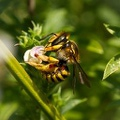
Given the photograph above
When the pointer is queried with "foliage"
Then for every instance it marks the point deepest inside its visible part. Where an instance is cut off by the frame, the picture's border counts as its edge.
(31, 38)
(99, 45)
(114, 64)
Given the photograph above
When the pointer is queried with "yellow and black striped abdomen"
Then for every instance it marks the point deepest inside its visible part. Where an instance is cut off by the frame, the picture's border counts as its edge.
(58, 75)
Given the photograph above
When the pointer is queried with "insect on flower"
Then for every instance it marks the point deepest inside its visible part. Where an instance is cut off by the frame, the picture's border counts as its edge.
(55, 68)
(52, 69)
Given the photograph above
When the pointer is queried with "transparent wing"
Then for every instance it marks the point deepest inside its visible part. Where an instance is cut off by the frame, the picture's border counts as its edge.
(83, 78)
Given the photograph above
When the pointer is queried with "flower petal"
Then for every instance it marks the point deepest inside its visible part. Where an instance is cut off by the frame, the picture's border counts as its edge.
(26, 56)
(39, 50)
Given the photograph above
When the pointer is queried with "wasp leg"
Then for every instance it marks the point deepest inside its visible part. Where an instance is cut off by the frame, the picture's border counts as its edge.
(47, 59)
(44, 68)
(53, 48)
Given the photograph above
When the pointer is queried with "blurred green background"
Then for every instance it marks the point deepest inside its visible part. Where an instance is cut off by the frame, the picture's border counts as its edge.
(84, 19)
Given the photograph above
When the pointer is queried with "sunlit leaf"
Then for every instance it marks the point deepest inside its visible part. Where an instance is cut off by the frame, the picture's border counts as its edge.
(95, 46)
(112, 66)
(107, 84)
(113, 30)
(115, 42)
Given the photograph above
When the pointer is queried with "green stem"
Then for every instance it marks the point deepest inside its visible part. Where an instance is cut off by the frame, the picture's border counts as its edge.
(23, 78)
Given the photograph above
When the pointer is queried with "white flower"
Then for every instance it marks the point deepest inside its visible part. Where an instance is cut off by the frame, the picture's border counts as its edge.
(31, 54)
(37, 50)
(26, 56)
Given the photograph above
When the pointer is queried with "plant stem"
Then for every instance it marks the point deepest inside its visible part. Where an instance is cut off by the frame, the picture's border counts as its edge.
(23, 78)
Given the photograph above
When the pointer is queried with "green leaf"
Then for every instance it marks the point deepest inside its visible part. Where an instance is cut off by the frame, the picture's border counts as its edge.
(52, 24)
(95, 46)
(113, 30)
(115, 42)
(71, 104)
(30, 38)
(112, 66)
(6, 110)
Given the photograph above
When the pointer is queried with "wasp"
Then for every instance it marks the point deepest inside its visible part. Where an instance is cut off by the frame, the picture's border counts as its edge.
(55, 68)
(52, 69)
(67, 50)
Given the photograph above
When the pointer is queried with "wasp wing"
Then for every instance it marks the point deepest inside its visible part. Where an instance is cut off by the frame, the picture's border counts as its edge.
(74, 77)
(83, 78)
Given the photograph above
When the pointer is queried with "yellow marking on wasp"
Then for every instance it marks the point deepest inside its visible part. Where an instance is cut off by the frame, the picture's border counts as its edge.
(64, 72)
(53, 48)
(60, 76)
(43, 68)
(48, 59)
(54, 78)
